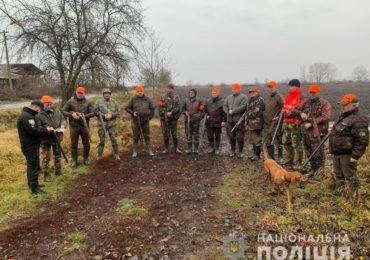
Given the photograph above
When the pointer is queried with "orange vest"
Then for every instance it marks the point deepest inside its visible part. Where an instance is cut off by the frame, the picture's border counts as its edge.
(292, 100)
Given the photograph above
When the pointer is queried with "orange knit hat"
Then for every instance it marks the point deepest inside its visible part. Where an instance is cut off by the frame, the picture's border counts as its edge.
(80, 90)
(272, 84)
(236, 86)
(349, 98)
(314, 88)
(139, 89)
(216, 91)
(46, 99)
(255, 90)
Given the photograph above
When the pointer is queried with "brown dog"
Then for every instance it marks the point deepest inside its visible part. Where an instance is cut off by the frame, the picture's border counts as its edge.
(281, 178)
(126, 137)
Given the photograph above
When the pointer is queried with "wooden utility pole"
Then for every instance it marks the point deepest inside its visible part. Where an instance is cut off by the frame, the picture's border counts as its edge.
(7, 62)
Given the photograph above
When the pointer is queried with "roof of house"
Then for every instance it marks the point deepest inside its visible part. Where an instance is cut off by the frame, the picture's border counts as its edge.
(19, 70)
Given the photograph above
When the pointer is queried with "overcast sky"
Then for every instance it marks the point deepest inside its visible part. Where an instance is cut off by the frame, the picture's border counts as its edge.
(241, 40)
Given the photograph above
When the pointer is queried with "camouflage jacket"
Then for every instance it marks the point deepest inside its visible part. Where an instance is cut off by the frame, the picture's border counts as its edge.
(107, 107)
(143, 106)
(273, 103)
(237, 103)
(214, 109)
(350, 134)
(170, 103)
(53, 118)
(318, 110)
(254, 115)
(78, 105)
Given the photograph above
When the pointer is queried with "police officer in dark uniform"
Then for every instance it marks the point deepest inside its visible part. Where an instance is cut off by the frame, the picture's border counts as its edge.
(30, 134)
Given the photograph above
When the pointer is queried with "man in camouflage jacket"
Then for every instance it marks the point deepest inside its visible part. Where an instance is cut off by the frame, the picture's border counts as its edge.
(216, 118)
(53, 117)
(169, 112)
(314, 113)
(348, 142)
(254, 122)
(108, 109)
(73, 109)
(141, 109)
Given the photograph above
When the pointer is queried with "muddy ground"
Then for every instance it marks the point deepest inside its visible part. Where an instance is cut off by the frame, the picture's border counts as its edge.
(183, 207)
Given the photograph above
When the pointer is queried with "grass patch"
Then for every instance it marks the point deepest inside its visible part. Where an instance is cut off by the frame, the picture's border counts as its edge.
(77, 240)
(127, 207)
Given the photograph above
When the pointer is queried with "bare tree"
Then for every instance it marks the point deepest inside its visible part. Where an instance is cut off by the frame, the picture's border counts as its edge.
(153, 63)
(360, 74)
(322, 72)
(70, 33)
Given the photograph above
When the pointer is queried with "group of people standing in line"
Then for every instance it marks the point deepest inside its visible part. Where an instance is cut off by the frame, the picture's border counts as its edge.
(286, 127)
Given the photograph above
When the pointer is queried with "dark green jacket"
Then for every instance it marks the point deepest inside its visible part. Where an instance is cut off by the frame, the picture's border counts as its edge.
(78, 105)
(53, 118)
(254, 115)
(171, 103)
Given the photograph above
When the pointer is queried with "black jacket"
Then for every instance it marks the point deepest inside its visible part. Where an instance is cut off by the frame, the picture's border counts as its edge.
(214, 109)
(30, 130)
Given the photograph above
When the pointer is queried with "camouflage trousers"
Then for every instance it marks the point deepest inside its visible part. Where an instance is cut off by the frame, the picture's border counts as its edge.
(46, 156)
(267, 139)
(317, 162)
(192, 131)
(169, 128)
(292, 144)
(112, 132)
(255, 137)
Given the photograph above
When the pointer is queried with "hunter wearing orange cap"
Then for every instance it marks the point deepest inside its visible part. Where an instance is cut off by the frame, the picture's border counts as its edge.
(315, 113)
(216, 118)
(348, 142)
(274, 103)
(254, 122)
(51, 116)
(234, 107)
(169, 113)
(79, 111)
(141, 109)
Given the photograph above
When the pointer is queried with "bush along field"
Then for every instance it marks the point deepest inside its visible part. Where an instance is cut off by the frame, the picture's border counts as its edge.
(174, 206)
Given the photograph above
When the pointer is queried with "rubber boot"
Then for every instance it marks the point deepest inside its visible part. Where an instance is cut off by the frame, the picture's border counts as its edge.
(280, 154)
(217, 147)
(299, 160)
(188, 150)
(240, 149)
(271, 151)
(196, 148)
(166, 144)
(318, 170)
(100, 152)
(211, 148)
(176, 145)
(233, 147)
(74, 157)
(253, 152)
(58, 172)
(339, 185)
(135, 148)
(353, 191)
(47, 176)
(149, 148)
(257, 153)
(86, 152)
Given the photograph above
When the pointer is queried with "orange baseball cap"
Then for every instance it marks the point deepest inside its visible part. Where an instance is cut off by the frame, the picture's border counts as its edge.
(216, 91)
(255, 90)
(349, 98)
(236, 86)
(46, 99)
(139, 89)
(80, 90)
(272, 84)
(314, 88)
